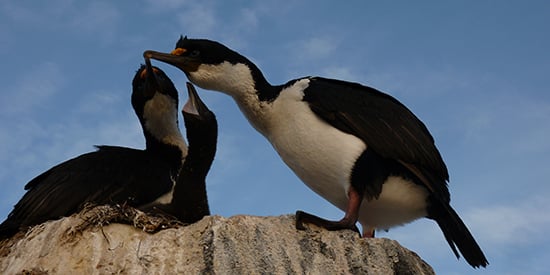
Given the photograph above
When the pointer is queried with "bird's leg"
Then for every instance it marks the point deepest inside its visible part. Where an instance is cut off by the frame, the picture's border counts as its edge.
(348, 222)
(368, 232)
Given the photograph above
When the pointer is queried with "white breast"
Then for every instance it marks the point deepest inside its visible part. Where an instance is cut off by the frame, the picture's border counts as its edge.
(400, 202)
(323, 157)
(320, 155)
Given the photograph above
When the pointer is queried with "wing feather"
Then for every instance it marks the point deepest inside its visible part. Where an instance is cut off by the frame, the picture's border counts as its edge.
(109, 175)
(385, 124)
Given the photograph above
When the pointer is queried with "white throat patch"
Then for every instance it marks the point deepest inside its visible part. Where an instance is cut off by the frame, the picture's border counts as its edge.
(161, 120)
(232, 79)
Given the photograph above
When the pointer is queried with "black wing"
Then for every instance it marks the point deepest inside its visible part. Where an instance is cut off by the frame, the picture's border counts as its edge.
(109, 175)
(384, 123)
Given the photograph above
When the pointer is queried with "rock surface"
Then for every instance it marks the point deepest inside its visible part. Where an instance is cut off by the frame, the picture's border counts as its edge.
(214, 245)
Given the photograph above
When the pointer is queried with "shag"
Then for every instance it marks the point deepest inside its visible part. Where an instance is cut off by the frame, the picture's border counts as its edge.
(357, 147)
(112, 174)
(189, 202)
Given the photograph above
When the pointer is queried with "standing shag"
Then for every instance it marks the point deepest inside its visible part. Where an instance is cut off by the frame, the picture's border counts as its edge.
(113, 175)
(359, 148)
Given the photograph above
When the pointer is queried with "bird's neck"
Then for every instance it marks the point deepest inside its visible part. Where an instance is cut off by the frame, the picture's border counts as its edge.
(190, 198)
(202, 136)
(160, 126)
(245, 83)
(171, 152)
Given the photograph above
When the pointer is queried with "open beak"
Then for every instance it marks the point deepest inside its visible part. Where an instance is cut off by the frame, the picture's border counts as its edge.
(194, 104)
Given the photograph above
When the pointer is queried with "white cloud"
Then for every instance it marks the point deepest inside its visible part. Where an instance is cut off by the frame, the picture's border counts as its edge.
(317, 47)
(343, 73)
(209, 19)
(419, 82)
(198, 19)
(512, 224)
(511, 123)
(248, 19)
(32, 148)
(503, 230)
(37, 133)
(41, 82)
(84, 18)
(97, 18)
(102, 101)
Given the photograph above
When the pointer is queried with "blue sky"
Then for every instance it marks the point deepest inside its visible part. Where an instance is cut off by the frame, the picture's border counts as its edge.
(475, 72)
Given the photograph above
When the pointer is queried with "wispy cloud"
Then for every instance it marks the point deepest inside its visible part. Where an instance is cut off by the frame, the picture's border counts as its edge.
(316, 47)
(198, 19)
(343, 73)
(41, 128)
(41, 82)
(248, 19)
(506, 225)
(521, 122)
(30, 148)
(501, 229)
(201, 20)
(99, 19)
(489, 118)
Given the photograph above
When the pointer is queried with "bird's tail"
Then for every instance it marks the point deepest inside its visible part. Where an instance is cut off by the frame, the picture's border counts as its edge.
(457, 234)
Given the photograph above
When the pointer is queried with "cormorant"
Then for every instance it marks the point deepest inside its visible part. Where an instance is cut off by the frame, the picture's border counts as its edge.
(189, 202)
(112, 174)
(357, 147)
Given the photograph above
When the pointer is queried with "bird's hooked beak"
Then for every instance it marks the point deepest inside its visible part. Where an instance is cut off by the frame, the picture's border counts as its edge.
(151, 74)
(177, 58)
(194, 105)
(148, 74)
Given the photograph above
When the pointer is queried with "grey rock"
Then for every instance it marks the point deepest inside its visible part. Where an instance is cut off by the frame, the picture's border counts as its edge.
(214, 245)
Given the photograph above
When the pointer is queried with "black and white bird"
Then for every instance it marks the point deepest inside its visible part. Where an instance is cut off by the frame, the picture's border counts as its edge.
(359, 148)
(112, 174)
(189, 201)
